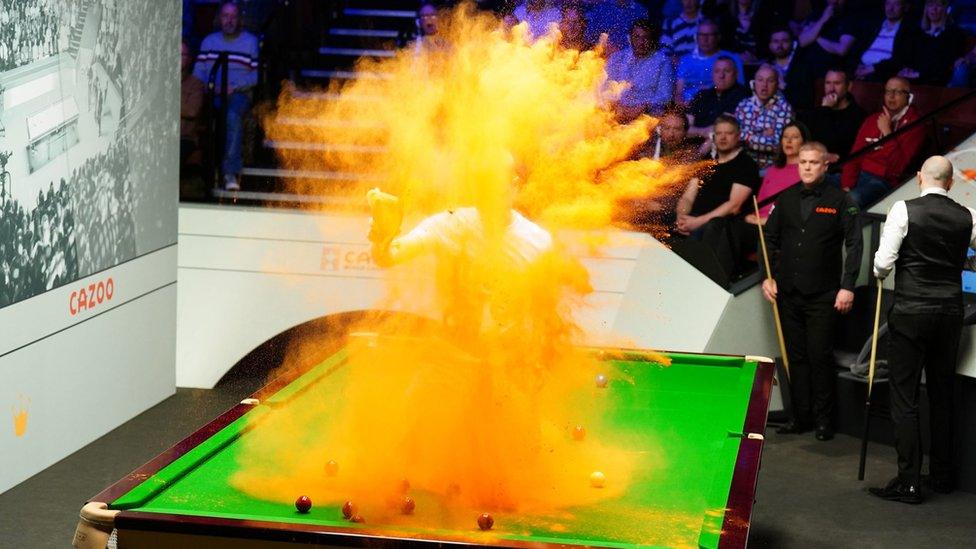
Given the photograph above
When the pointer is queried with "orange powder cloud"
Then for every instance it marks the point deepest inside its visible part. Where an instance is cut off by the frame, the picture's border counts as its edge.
(477, 407)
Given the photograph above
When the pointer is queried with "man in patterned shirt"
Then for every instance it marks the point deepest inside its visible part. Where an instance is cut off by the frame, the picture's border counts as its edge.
(763, 116)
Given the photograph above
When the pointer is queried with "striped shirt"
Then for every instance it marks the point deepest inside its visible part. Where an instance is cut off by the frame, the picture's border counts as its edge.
(883, 45)
(678, 37)
(242, 59)
(755, 118)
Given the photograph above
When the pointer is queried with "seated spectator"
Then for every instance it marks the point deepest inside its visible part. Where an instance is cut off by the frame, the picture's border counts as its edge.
(744, 24)
(670, 142)
(827, 38)
(964, 71)
(837, 120)
(427, 38)
(871, 176)
(885, 43)
(572, 28)
(648, 71)
(939, 47)
(709, 209)
(615, 18)
(242, 76)
(538, 14)
(784, 172)
(795, 80)
(192, 92)
(679, 33)
(763, 116)
(722, 98)
(695, 69)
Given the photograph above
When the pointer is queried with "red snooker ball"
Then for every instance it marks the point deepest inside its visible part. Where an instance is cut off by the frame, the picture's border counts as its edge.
(407, 506)
(303, 504)
(348, 510)
(485, 521)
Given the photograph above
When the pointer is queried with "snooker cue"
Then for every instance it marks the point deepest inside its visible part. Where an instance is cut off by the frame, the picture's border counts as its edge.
(867, 401)
(769, 273)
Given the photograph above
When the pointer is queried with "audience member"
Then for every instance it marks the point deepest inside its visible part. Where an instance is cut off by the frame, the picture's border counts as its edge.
(192, 92)
(964, 71)
(763, 116)
(538, 14)
(670, 142)
(836, 121)
(615, 18)
(887, 42)
(679, 33)
(785, 171)
(722, 98)
(872, 175)
(572, 28)
(815, 245)
(939, 46)
(710, 204)
(648, 71)
(795, 81)
(827, 38)
(695, 68)
(242, 75)
(745, 23)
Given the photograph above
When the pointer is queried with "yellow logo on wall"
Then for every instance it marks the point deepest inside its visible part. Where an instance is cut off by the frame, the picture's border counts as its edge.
(20, 416)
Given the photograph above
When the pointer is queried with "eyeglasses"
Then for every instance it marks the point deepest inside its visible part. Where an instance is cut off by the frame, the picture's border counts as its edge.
(889, 91)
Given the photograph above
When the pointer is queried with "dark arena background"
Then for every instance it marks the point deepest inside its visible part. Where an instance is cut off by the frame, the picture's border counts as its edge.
(490, 272)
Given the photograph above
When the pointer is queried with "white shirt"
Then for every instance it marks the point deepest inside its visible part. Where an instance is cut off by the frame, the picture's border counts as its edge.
(895, 229)
(883, 45)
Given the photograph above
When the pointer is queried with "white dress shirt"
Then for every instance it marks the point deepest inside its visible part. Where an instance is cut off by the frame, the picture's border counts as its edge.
(895, 229)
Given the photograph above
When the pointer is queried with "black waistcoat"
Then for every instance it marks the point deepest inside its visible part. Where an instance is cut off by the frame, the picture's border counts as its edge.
(928, 271)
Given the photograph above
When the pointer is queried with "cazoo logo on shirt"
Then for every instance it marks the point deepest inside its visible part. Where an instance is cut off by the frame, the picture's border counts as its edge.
(91, 296)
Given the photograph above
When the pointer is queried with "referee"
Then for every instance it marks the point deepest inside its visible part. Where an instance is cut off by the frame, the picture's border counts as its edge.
(926, 241)
(808, 229)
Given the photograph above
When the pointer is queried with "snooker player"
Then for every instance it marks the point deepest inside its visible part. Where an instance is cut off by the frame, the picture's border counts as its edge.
(808, 228)
(926, 240)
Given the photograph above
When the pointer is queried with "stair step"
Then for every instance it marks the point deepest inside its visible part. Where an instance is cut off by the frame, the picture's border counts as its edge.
(366, 33)
(325, 147)
(281, 173)
(344, 75)
(261, 196)
(354, 12)
(356, 52)
(327, 122)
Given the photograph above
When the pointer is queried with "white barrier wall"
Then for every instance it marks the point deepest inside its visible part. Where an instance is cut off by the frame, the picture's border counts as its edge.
(248, 274)
(89, 95)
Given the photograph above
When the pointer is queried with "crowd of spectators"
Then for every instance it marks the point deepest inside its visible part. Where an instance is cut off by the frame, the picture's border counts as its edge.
(82, 226)
(30, 31)
(744, 83)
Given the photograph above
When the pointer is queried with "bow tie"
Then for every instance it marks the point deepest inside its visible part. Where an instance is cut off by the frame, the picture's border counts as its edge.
(811, 192)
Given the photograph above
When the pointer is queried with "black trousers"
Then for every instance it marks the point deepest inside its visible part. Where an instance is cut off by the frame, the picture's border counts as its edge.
(729, 237)
(808, 328)
(931, 341)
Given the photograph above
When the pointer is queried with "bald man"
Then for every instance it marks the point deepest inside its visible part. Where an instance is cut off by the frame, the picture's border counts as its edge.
(925, 240)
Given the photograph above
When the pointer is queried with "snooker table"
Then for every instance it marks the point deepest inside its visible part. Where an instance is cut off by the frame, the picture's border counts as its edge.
(707, 411)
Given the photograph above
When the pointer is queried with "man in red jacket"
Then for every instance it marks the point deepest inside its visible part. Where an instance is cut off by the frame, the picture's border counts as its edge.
(871, 175)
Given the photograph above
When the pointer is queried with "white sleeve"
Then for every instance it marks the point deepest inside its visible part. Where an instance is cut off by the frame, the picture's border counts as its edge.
(895, 229)
(970, 264)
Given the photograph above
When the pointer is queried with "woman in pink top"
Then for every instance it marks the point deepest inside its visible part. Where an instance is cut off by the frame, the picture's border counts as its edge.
(784, 172)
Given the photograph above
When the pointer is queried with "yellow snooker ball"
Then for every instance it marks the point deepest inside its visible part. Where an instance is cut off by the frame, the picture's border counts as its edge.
(598, 479)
